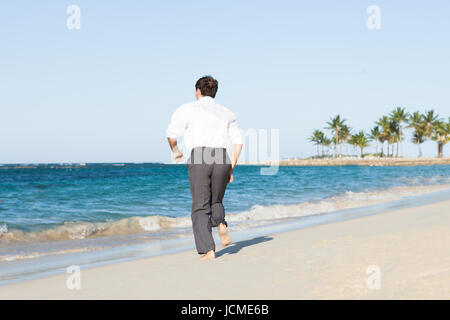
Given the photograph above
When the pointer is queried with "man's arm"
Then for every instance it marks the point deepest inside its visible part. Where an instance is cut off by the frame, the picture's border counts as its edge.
(176, 153)
(236, 139)
(235, 152)
(176, 127)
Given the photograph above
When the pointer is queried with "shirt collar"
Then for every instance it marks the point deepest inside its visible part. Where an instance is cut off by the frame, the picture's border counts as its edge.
(206, 98)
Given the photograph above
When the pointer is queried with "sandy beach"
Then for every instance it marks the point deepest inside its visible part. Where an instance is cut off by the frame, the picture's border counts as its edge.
(401, 254)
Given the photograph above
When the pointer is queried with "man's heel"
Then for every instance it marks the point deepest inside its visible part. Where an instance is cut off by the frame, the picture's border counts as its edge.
(223, 234)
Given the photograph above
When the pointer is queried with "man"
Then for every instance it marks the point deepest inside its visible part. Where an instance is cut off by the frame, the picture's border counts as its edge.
(208, 128)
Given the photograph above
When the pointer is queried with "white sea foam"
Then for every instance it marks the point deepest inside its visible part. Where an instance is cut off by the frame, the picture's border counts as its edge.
(344, 201)
(257, 215)
(3, 229)
(33, 255)
(83, 230)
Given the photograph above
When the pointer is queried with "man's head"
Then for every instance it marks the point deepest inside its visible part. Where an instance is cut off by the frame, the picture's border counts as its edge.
(206, 86)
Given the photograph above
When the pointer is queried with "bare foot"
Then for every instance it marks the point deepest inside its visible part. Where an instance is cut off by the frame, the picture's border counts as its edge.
(223, 233)
(209, 256)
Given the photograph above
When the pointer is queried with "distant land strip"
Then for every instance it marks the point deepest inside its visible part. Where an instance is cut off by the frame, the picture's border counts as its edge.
(378, 162)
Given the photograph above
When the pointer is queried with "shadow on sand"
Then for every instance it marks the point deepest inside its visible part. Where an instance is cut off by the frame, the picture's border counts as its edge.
(237, 246)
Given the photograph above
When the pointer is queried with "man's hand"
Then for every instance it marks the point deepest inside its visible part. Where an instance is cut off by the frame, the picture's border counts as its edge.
(231, 178)
(177, 156)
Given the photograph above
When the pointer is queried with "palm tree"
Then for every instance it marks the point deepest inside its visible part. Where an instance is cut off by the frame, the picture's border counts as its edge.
(386, 135)
(316, 138)
(418, 138)
(394, 136)
(430, 119)
(322, 138)
(353, 143)
(382, 139)
(361, 140)
(327, 143)
(335, 124)
(417, 122)
(399, 115)
(375, 135)
(441, 134)
(333, 141)
(434, 129)
(344, 135)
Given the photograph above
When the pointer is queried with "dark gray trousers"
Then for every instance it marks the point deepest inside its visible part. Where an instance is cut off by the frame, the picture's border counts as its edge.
(209, 170)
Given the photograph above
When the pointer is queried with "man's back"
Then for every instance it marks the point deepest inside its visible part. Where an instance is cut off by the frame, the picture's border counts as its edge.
(205, 124)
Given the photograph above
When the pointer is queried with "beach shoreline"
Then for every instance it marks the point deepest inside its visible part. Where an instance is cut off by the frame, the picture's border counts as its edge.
(26, 261)
(329, 261)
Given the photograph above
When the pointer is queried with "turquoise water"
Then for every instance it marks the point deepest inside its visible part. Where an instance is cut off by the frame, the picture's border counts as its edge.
(48, 196)
(53, 216)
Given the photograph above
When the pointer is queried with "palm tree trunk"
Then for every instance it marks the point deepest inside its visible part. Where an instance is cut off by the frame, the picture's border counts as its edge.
(440, 149)
(420, 151)
(336, 143)
(399, 138)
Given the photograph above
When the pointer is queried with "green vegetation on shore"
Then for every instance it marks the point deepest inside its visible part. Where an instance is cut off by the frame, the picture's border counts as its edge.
(388, 134)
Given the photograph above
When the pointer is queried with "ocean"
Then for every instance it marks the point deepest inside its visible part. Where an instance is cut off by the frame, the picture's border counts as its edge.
(55, 214)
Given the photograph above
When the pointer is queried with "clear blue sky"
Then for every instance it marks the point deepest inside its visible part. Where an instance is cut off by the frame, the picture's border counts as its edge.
(105, 93)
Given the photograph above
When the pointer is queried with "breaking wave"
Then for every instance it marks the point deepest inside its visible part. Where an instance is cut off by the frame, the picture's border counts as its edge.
(347, 200)
(84, 230)
(255, 216)
(3, 229)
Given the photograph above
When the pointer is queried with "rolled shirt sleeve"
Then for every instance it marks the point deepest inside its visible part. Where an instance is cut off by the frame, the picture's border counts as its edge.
(234, 133)
(178, 124)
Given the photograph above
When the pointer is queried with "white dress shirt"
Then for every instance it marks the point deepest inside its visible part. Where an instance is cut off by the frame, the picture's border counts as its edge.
(205, 124)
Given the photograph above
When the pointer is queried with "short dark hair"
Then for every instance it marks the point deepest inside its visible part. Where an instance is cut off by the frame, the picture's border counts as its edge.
(208, 86)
